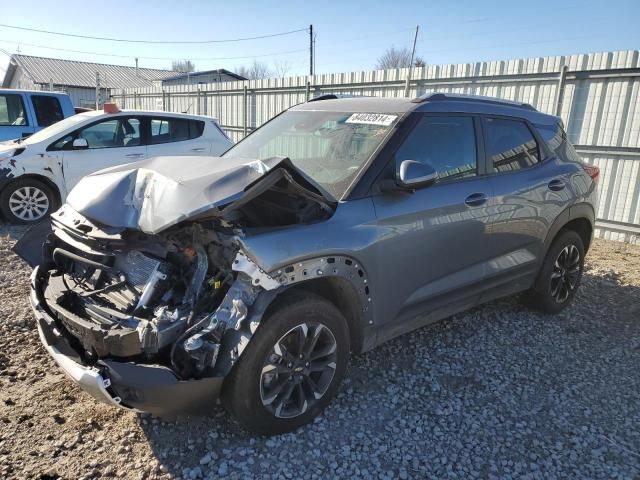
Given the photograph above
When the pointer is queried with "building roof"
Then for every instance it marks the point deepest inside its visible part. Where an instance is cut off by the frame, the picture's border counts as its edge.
(73, 73)
(221, 71)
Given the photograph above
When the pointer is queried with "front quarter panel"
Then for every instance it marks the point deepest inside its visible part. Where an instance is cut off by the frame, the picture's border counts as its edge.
(41, 164)
(342, 246)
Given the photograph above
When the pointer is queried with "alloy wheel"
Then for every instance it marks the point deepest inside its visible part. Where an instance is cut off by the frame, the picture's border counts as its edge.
(566, 273)
(29, 203)
(299, 369)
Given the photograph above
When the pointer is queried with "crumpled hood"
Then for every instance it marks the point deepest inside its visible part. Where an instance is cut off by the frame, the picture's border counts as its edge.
(157, 193)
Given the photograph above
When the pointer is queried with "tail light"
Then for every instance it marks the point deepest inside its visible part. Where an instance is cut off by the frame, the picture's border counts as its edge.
(593, 172)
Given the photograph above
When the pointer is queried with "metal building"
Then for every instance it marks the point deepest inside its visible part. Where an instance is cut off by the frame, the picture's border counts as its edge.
(83, 81)
(200, 78)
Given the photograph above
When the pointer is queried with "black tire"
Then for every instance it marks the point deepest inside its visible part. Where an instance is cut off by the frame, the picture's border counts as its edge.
(43, 201)
(247, 384)
(557, 284)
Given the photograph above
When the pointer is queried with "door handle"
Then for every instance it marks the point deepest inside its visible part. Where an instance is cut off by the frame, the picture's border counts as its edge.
(476, 199)
(198, 149)
(556, 185)
(134, 155)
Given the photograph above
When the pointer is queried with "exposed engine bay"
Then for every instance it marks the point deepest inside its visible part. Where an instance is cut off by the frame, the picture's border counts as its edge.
(165, 299)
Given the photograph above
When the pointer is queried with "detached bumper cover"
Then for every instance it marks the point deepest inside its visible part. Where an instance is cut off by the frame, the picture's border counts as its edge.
(147, 388)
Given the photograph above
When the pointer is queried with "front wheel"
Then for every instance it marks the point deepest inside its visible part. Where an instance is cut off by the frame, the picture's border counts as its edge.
(291, 368)
(560, 275)
(27, 201)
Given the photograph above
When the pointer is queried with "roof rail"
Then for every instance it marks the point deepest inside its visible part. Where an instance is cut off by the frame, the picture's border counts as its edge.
(329, 96)
(439, 97)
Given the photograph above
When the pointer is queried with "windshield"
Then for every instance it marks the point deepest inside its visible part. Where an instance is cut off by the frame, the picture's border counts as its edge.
(58, 128)
(330, 147)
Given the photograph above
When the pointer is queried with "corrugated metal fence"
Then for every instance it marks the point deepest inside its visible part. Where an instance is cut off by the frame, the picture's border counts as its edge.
(597, 95)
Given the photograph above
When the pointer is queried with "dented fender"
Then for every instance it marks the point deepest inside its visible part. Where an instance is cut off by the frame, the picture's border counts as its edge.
(23, 163)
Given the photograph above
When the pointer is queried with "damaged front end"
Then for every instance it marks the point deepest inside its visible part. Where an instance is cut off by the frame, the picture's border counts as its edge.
(155, 321)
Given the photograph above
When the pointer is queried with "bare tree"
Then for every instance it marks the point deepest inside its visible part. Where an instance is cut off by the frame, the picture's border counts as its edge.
(394, 58)
(282, 67)
(255, 71)
(419, 62)
(183, 66)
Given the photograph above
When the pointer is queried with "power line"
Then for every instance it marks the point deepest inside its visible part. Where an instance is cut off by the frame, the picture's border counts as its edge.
(273, 54)
(49, 32)
(152, 58)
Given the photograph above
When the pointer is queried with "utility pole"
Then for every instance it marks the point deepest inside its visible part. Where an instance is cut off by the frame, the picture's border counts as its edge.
(413, 53)
(97, 90)
(136, 66)
(310, 49)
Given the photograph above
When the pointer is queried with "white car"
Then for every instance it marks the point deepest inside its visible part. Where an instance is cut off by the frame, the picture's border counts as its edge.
(38, 172)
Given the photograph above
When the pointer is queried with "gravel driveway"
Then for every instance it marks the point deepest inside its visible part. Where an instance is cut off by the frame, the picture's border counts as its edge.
(499, 391)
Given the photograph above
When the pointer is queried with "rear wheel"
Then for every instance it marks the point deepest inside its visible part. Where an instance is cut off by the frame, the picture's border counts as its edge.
(27, 201)
(560, 275)
(291, 368)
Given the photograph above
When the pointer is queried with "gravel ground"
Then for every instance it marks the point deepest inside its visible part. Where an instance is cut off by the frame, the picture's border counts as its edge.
(499, 391)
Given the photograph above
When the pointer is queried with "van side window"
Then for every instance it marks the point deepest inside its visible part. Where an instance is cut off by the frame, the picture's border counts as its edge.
(12, 112)
(47, 108)
(510, 145)
(446, 143)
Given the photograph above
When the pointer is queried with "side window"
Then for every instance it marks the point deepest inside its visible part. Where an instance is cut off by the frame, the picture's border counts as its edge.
(12, 112)
(63, 144)
(510, 144)
(48, 109)
(446, 143)
(196, 128)
(117, 132)
(165, 130)
(556, 139)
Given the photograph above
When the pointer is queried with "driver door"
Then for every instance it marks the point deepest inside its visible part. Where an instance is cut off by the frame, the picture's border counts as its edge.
(433, 251)
(110, 142)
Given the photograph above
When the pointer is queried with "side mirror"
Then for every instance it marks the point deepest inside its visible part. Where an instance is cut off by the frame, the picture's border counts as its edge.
(414, 175)
(80, 144)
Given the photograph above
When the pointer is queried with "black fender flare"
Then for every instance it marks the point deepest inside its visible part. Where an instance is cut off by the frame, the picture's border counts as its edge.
(341, 266)
(573, 212)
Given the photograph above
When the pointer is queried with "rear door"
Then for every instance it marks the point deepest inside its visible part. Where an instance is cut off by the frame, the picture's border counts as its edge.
(15, 120)
(111, 141)
(433, 251)
(531, 188)
(176, 136)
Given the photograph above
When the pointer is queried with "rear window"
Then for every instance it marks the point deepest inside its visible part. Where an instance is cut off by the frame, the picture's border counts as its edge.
(48, 109)
(165, 130)
(12, 110)
(556, 139)
(510, 144)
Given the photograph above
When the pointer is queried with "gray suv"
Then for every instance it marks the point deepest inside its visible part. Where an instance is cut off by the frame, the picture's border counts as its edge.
(168, 284)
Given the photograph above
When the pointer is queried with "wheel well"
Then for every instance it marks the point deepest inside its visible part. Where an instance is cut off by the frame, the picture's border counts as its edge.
(342, 294)
(40, 178)
(582, 227)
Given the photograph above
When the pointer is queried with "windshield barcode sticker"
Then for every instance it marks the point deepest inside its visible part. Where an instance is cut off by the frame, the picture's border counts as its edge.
(372, 119)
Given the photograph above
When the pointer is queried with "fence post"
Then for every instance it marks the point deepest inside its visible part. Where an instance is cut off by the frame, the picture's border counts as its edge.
(562, 81)
(244, 110)
(198, 101)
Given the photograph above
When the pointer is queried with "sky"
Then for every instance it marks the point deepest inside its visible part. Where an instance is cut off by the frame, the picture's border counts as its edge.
(350, 35)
